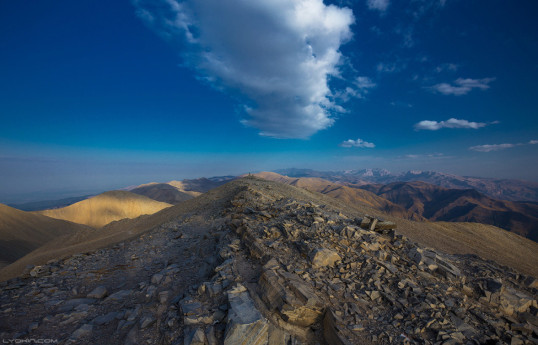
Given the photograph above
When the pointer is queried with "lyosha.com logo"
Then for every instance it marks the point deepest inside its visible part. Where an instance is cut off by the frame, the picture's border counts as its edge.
(30, 341)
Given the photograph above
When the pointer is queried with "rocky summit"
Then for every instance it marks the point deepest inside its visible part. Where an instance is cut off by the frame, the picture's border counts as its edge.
(269, 264)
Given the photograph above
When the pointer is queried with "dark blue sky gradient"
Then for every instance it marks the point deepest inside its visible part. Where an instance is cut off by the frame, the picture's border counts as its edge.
(92, 99)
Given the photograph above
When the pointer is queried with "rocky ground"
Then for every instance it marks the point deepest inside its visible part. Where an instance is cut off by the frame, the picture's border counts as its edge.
(270, 268)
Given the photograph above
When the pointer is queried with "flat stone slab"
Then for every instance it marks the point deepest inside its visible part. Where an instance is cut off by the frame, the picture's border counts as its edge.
(246, 325)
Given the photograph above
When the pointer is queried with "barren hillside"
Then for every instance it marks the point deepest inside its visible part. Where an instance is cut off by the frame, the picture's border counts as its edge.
(199, 186)
(22, 232)
(461, 205)
(348, 195)
(107, 207)
(162, 192)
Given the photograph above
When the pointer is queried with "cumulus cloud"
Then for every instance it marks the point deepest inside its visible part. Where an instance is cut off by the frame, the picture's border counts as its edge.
(450, 123)
(379, 5)
(462, 86)
(276, 55)
(357, 143)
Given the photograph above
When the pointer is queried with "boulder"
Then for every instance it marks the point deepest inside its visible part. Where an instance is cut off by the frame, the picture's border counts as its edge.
(105, 319)
(196, 337)
(38, 271)
(245, 323)
(132, 337)
(386, 225)
(147, 321)
(332, 332)
(349, 232)
(98, 293)
(294, 299)
(118, 296)
(365, 222)
(429, 259)
(373, 224)
(83, 331)
(323, 257)
(156, 278)
(513, 301)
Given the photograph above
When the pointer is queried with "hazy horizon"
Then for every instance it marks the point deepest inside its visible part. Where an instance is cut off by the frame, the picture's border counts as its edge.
(19, 194)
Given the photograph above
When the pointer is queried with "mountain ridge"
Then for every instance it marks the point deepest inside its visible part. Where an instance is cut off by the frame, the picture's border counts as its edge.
(343, 193)
(504, 189)
(457, 238)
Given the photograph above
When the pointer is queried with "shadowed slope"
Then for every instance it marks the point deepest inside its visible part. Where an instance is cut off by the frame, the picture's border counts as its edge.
(162, 192)
(22, 232)
(200, 185)
(107, 207)
(461, 205)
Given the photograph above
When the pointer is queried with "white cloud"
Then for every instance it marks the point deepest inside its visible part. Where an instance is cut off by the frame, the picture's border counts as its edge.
(450, 123)
(489, 148)
(401, 104)
(364, 83)
(379, 5)
(376, 30)
(387, 67)
(436, 155)
(357, 143)
(361, 86)
(462, 86)
(497, 147)
(452, 67)
(425, 7)
(276, 54)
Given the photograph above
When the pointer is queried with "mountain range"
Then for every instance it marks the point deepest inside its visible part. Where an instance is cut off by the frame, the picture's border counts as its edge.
(262, 262)
(414, 200)
(461, 205)
(503, 189)
(424, 201)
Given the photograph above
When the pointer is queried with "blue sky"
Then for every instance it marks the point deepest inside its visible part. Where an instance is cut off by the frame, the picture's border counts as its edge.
(98, 95)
